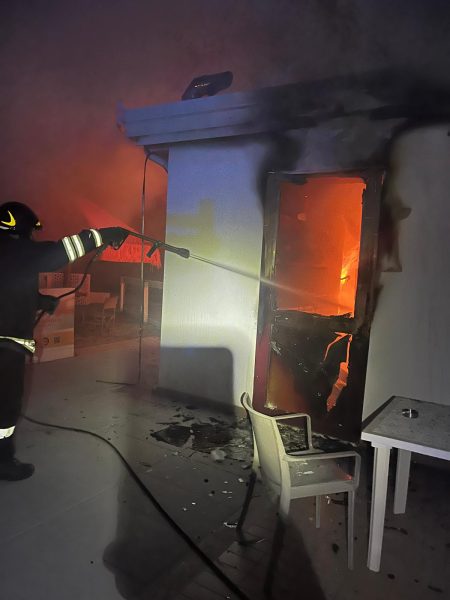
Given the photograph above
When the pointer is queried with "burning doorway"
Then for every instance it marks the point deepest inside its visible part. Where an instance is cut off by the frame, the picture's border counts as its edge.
(320, 248)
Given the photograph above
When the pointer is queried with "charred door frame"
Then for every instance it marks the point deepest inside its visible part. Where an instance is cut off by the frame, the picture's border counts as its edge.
(359, 325)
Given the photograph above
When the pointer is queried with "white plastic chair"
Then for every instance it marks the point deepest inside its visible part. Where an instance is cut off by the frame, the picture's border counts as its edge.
(296, 475)
(103, 316)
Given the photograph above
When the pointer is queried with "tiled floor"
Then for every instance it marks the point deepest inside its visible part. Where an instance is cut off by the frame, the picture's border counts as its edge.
(80, 529)
(415, 562)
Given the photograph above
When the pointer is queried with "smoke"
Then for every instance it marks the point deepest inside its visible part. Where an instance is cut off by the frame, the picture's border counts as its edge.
(66, 64)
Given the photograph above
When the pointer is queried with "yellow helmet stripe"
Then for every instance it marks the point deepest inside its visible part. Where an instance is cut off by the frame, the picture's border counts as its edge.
(11, 223)
(69, 248)
(97, 238)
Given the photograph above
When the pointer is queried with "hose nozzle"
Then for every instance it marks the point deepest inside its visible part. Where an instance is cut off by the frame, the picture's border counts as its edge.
(183, 252)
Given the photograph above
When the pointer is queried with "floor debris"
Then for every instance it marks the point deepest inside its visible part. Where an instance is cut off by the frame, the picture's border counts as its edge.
(212, 512)
(233, 437)
(218, 455)
(340, 502)
(401, 529)
(175, 435)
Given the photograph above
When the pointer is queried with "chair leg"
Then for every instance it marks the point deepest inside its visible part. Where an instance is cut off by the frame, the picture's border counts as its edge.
(318, 510)
(350, 534)
(248, 499)
(277, 544)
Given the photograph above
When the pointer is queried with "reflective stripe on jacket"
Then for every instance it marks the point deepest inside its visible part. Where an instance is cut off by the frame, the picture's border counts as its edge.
(5, 433)
(21, 261)
(74, 247)
(30, 345)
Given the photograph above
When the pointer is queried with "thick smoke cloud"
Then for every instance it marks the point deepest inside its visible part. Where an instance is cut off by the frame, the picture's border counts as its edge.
(65, 64)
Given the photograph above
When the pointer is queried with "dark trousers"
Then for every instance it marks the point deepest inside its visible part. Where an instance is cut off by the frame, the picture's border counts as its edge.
(12, 373)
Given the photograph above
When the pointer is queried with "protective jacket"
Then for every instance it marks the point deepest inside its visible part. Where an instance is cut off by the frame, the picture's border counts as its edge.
(21, 261)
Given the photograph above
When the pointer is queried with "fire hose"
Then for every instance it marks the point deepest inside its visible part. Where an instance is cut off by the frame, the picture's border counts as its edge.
(156, 244)
(184, 253)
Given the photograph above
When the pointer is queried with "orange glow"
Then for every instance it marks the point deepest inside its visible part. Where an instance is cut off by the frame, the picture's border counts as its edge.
(131, 252)
(341, 381)
(349, 278)
(85, 214)
(318, 245)
(339, 336)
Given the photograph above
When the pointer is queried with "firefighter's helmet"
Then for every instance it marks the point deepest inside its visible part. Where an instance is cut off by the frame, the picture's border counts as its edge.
(17, 218)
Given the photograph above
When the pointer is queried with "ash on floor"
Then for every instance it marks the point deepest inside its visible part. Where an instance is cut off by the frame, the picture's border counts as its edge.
(233, 436)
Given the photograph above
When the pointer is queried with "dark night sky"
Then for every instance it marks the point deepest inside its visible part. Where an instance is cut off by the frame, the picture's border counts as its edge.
(64, 65)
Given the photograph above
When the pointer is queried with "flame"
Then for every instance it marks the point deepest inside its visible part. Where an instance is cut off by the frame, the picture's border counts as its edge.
(318, 245)
(341, 381)
(339, 337)
(349, 265)
(349, 278)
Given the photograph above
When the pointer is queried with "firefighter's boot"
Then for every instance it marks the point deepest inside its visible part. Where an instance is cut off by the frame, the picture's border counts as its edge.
(14, 470)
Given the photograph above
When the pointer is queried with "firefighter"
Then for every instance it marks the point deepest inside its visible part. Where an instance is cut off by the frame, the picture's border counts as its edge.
(21, 261)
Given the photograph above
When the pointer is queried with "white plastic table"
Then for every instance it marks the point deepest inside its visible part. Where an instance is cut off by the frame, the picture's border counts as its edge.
(428, 434)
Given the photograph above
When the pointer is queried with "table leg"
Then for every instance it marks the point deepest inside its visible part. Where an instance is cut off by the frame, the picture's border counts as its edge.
(379, 491)
(401, 481)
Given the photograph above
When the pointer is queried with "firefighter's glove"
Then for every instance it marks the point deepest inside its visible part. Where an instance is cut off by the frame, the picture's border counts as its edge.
(114, 236)
(48, 304)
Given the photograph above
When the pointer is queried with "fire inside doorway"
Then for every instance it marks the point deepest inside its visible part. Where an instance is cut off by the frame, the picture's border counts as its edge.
(320, 249)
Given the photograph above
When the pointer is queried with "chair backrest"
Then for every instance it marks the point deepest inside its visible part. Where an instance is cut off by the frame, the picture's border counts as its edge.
(268, 442)
(110, 303)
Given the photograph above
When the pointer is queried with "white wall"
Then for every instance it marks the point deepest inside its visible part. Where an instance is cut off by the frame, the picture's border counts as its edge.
(209, 315)
(410, 338)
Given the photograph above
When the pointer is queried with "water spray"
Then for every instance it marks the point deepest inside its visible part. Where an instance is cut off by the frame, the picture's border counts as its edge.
(185, 253)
